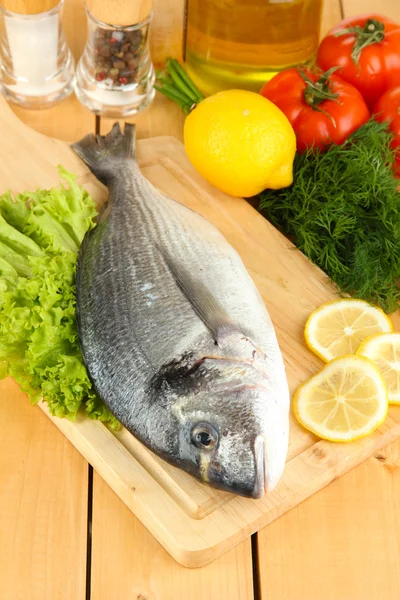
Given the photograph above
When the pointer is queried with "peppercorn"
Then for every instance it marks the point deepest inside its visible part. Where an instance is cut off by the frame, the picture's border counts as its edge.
(116, 56)
(113, 73)
(105, 51)
(125, 72)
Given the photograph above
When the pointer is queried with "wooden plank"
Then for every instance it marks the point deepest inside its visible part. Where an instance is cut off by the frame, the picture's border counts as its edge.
(387, 8)
(44, 480)
(331, 14)
(128, 563)
(342, 542)
(43, 505)
(201, 525)
(167, 30)
(162, 117)
(68, 120)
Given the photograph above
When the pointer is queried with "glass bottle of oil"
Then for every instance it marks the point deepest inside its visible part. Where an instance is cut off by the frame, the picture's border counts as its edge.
(243, 43)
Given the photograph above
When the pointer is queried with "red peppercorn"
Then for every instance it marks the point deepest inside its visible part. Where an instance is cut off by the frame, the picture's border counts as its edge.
(112, 40)
(100, 76)
(123, 80)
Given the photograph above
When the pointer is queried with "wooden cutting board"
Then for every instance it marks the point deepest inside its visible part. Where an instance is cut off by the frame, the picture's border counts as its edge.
(193, 522)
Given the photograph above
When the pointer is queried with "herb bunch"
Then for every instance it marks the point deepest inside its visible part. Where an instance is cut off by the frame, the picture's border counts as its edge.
(343, 212)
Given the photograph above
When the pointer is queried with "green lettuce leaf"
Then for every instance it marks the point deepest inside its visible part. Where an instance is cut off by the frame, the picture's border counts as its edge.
(40, 235)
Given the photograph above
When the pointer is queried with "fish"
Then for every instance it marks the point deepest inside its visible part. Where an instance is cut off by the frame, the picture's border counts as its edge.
(175, 336)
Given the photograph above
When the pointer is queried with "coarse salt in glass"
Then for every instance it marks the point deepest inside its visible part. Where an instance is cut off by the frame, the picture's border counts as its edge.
(37, 68)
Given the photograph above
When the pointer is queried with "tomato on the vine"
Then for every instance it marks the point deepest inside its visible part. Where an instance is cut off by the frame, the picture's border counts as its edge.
(388, 109)
(322, 108)
(367, 51)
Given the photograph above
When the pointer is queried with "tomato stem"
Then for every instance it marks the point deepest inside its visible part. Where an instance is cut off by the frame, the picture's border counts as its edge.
(373, 32)
(318, 91)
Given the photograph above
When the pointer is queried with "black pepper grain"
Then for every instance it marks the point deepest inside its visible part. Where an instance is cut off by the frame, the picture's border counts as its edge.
(116, 55)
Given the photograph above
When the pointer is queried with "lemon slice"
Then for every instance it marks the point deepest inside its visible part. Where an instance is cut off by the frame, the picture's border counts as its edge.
(384, 350)
(344, 401)
(338, 328)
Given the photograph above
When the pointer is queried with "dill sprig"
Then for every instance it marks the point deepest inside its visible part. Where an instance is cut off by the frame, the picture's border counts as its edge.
(343, 212)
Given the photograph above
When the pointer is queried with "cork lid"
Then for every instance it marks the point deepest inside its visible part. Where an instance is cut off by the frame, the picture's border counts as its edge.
(120, 12)
(28, 7)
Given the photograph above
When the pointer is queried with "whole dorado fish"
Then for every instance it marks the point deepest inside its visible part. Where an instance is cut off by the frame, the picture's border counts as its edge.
(175, 337)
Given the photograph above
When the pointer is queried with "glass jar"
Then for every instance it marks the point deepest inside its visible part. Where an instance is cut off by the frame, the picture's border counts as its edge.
(37, 67)
(231, 43)
(115, 76)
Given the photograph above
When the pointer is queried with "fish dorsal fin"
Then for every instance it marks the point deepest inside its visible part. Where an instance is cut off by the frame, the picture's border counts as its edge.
(204, 304)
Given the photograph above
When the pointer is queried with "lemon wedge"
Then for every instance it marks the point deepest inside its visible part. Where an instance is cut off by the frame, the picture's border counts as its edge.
(344, 401)
(384, 350)
(338, 328)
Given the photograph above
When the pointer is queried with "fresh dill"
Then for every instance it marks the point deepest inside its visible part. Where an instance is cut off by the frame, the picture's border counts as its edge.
(343, 212)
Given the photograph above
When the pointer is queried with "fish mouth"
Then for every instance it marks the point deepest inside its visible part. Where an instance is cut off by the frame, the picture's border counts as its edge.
(265, 482)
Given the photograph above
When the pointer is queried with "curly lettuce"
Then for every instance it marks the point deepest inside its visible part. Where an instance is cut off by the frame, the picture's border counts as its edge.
(40, 235)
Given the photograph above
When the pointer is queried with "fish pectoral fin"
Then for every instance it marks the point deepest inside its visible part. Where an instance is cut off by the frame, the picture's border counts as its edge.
(204, 304)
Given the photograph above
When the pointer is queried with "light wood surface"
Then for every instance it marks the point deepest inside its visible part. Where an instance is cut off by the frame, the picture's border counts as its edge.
(342, 543)
(162, 117)
(387, 8)
(194, 523)
(331, 14)
(128, 563)
(166, 37)
(43, 505)
(369, 531)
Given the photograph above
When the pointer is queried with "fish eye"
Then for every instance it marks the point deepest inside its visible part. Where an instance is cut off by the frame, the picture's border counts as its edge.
(204, 436)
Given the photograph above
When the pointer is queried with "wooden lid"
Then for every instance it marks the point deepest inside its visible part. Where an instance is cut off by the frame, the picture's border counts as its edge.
(28, 7)
(120, 12)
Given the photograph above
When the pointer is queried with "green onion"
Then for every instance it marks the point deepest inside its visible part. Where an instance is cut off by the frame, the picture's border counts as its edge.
(175, 84)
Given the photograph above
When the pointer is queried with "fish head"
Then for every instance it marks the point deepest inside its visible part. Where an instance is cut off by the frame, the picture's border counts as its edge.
(234, 427)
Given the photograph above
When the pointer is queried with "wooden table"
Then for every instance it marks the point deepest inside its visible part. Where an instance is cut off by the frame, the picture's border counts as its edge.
(64, 535)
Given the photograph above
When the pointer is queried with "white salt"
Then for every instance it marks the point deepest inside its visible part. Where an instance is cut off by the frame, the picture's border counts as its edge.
(112, 97)
(33, 44)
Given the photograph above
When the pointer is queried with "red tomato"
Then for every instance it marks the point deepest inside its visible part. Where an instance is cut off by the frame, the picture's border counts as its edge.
(367, 48)
(322, 108)
(388, 109)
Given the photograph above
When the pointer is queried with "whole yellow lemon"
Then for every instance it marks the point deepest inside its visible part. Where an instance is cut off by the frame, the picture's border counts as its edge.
(240, 142)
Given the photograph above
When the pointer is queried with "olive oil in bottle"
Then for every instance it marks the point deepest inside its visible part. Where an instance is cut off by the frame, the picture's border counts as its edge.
(243, 43)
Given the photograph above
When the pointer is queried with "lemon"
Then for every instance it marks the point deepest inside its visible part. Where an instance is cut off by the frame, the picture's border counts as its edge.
(339, 327)
(345, 401)
(384, 350)
(241, 143)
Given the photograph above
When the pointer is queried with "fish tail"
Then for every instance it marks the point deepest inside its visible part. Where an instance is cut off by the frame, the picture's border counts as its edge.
(103, 153)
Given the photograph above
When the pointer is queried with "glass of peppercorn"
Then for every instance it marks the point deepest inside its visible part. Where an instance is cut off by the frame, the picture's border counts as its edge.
(115, 75)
